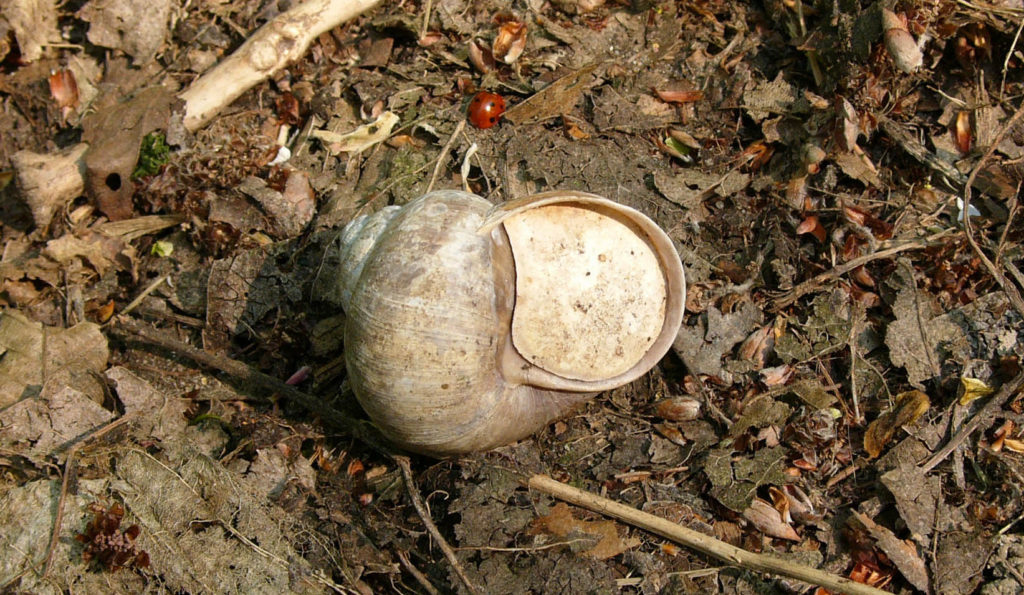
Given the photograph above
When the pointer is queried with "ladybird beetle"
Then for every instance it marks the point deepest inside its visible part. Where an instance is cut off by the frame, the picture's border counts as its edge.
(485, 109)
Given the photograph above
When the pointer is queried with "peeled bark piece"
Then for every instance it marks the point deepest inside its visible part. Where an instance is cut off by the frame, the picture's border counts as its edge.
(900, 43)
(275, 45)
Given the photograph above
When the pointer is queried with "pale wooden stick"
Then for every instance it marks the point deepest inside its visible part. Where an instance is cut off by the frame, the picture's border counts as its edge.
(699, 541)
(276, 44)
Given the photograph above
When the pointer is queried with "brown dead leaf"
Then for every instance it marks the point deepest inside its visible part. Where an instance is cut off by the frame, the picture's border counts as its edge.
(44, 425)
(291, 209)
(138, 30)
(510, 41)
(64, 90)
(32, 353)
(674, 96)
(560, 523)
(553, 100)
(769, 521)
(962, 132)
(114, 133)
(678, 409)
(67, 248)
(902, 553)
(758, 346)
(34, 23)
(813, 226)
(858, 166)
(909, 407)
(48, 181)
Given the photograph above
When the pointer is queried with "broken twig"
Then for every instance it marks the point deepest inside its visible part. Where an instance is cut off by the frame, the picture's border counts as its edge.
(985, 415)
(698, 541)
(421, 509)
(364, 432)
(838, 271)
(276, 44)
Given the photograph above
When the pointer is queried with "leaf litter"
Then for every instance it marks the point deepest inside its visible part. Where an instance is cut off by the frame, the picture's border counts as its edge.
(774, 155)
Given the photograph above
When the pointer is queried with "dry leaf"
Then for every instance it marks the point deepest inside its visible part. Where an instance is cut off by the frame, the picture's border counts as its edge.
(34, 23)
(29, 349)
(361, 138)
(972, 388)
(757, 346)
(962, 132)
(561, 523)
(769, 521)
(510, 41)
(900, 43)
(679, 96)
(137, 29)
(553, 100)
(64, 90)
(811, 225)
(678, 409)
(909, 407)
(481, 57)
(901, 552)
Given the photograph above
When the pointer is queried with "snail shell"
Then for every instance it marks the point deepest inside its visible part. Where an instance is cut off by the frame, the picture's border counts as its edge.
(470, 326)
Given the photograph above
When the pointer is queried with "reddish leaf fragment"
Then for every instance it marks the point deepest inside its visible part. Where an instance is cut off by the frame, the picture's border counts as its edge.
(106, 543)
(962, 132)
(287, 107)
(811, 225)
(64, 90)
(678, 409)
(671, 96)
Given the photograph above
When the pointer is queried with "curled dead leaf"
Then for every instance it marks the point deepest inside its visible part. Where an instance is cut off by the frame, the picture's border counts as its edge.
(678, 409)
(900, 43)
(672, 96)
(481, 57)
(962, 132)
(972, 388)
(909, 407)
(510, 41)
(64, 90)
(811, 225)
(768, 520)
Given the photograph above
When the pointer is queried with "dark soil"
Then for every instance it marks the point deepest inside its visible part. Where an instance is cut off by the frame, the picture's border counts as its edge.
(842, 325)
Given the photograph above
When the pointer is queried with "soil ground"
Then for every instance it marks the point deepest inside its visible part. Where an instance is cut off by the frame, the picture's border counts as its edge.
(841, 181)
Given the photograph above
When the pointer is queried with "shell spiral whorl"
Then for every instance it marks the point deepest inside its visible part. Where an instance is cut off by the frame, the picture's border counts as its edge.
(454, 334)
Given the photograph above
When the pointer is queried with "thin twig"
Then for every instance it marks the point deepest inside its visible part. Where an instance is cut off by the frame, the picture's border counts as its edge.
(698, 541)
(444, 152)
(69, 471)
(839, 270)
(1011, 290)
(983, 416)
(150, 289)
(415, 572)
(362, 431)
(421, 509)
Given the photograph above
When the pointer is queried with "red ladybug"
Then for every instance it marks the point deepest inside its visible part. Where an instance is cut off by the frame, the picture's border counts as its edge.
(485, 109)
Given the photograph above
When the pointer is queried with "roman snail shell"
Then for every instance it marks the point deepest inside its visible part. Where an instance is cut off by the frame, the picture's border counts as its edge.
(469, 326)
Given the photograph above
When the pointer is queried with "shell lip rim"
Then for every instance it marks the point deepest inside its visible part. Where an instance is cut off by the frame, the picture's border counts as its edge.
(516, 368)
